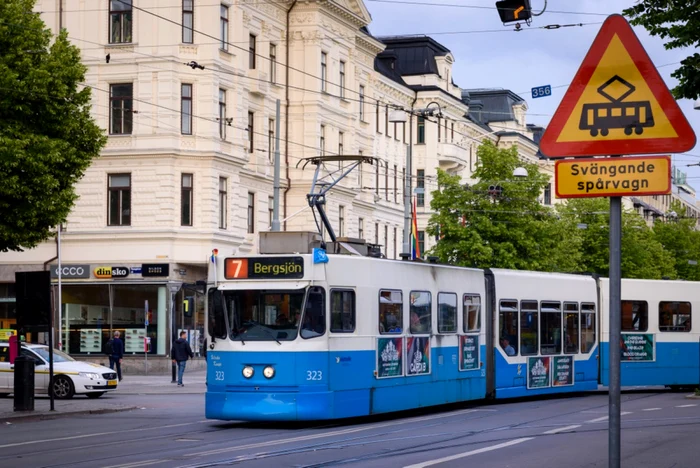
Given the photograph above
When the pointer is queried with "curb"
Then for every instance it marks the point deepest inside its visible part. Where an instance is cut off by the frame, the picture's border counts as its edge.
(29, 417)
(693, 397)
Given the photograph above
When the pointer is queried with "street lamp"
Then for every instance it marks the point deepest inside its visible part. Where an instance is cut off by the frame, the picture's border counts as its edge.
(400, 116)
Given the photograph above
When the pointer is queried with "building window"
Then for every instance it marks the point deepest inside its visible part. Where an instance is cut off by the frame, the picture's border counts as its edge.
(224, 27)
(376, 181)
(120, 21)
(251, 52)
(403, 182)
(376, 233)
(251, 131)
(222, 114)
(119, 202)
(322, 140)
(386, 120)
(186, 109)
(270, 139)
(324, 71)
(386, 181)
(438, 129)
(270, 211)
(186, 199)
(223, 202)
(386, 240)
(121, 108)
(421, 130)
(251, 213)
(396, 131)
(342, 79)
(362, 103)
(376, 118)
(188, 21)
(342, 311)
(341, 221)
(421, 242)
(420, 184)
(548, 194)
(273, 63)
(359, 171)
(452, 132)
(396, 251)
(341, 137)
(361, 228)
(396, 182)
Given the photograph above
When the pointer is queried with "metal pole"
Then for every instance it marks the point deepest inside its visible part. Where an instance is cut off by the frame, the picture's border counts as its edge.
(407, 191)
(276, 195)
(51, 332)
(615, 325)
(60, 309)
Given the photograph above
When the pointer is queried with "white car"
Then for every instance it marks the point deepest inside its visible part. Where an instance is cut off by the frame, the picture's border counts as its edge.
(71, 377)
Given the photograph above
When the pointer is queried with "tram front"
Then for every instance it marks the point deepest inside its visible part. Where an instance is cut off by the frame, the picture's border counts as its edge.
(268, 357)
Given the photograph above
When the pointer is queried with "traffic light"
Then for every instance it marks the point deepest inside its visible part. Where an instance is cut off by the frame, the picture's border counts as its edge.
(514, 10)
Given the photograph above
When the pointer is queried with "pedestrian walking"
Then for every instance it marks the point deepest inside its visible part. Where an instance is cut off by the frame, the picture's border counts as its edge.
(116, 353)
(180, 353)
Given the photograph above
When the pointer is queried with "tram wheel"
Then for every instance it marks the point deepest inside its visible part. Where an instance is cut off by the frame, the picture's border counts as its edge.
(638, 129)
(628, 130)
(604, 132)
(594, 132)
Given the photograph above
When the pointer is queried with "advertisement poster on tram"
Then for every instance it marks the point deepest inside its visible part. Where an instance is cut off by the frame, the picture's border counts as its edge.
(538, 372)
(562, 371)
(637, 347)
(418, 359)
(389, 357)
(469, 350)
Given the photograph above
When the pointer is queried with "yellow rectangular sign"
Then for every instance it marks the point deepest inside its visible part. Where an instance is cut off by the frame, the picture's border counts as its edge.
(5, 334)
(613, 177)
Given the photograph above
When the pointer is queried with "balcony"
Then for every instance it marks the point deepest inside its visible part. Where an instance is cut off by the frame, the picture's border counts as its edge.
(452, 157)
(259, 82)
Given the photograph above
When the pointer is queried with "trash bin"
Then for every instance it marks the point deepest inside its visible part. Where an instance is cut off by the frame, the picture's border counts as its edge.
(24, 384)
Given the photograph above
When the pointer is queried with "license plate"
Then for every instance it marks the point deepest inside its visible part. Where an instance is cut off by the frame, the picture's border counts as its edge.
(111, 382)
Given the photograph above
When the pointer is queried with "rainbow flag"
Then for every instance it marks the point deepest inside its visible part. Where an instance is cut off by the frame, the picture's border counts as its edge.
(415, 248)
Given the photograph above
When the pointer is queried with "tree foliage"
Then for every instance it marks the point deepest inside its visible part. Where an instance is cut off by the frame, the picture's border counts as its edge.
(47, 136)
(678, 237)
(677, 22)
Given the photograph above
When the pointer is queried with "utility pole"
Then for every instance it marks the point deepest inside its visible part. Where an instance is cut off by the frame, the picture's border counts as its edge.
(407, 191)
(276, 194)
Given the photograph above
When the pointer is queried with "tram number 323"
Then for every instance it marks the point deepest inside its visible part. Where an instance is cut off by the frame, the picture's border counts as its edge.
(314, 375)
(219, 375)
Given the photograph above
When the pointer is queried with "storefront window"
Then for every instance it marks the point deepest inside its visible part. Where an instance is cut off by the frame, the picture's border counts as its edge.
(8, 316)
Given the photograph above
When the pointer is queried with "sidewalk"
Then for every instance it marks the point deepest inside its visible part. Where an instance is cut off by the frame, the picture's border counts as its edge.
(115, 401)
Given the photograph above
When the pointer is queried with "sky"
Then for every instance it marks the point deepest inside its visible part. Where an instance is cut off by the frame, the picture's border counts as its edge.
(519, 61)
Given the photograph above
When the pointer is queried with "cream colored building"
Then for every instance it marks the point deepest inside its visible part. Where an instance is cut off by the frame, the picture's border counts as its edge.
(187, 93)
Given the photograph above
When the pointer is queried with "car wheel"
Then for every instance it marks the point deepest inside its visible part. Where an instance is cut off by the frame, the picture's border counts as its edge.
(94, 395)
(63, 388)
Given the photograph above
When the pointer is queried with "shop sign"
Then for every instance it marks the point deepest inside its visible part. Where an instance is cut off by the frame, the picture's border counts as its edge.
(71, 271)
(108, 272)
(637, 347)
(389, 357)
(562, 371)
(5, 334)
(538, 372)
(135, 270)
(155, 269)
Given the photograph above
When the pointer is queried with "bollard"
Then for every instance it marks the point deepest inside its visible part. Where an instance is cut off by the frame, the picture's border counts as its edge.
(24, 384)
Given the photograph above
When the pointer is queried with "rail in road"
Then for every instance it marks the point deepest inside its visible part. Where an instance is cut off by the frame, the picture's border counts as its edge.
(484, 434)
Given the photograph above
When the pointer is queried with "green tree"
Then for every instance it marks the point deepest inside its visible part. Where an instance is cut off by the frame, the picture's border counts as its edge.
(498, 221)
(679, 237)
(677, 22)
(47, 136)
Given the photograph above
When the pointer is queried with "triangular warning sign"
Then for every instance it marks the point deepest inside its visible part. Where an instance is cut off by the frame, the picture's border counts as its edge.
(617, 103)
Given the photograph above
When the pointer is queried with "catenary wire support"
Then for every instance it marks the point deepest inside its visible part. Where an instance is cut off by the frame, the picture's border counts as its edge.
(320, 186)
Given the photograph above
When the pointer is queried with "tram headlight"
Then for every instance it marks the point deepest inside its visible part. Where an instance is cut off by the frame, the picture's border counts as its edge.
(269, 372)
(248, 372)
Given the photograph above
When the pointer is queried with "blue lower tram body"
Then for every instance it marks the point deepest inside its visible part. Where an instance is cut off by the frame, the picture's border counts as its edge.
(342, 384)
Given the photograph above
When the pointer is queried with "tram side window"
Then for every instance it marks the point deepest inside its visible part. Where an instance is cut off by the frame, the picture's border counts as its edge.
(571, 322)
(314, 318)
(342, 311)
(529, 327)
(635, 316)
(674, 316)
(447, 313)
(421, 307)
(508, 326)
(587, 327)
(551, 328)
(216, 314)
(471, 313)
(390, 312)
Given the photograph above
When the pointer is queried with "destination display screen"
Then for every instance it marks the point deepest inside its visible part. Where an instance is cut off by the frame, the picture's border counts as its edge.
(264, 268)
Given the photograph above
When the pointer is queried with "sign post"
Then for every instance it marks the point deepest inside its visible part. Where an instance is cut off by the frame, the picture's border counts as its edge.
(145, 328)
(617, 104)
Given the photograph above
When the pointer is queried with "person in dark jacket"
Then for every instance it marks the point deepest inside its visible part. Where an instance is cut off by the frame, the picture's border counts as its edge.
(180, 353)
(115, 359)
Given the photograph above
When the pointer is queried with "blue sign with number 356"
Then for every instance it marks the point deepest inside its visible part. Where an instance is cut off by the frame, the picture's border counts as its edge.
(541, 91)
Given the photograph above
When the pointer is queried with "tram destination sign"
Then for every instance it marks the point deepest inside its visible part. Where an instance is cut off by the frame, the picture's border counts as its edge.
(264, 268)
(613, 177)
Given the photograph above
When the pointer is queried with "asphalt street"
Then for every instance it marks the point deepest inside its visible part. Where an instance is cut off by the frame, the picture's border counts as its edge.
(660, 429)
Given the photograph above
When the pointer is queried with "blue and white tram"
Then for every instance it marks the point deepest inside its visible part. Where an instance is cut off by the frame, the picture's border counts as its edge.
(659, 344)
(294, 340)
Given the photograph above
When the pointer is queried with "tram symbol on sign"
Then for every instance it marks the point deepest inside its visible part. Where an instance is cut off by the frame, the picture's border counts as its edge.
(631, 116)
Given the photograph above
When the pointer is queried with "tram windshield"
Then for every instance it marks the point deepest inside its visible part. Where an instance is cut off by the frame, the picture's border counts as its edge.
(273, 315)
